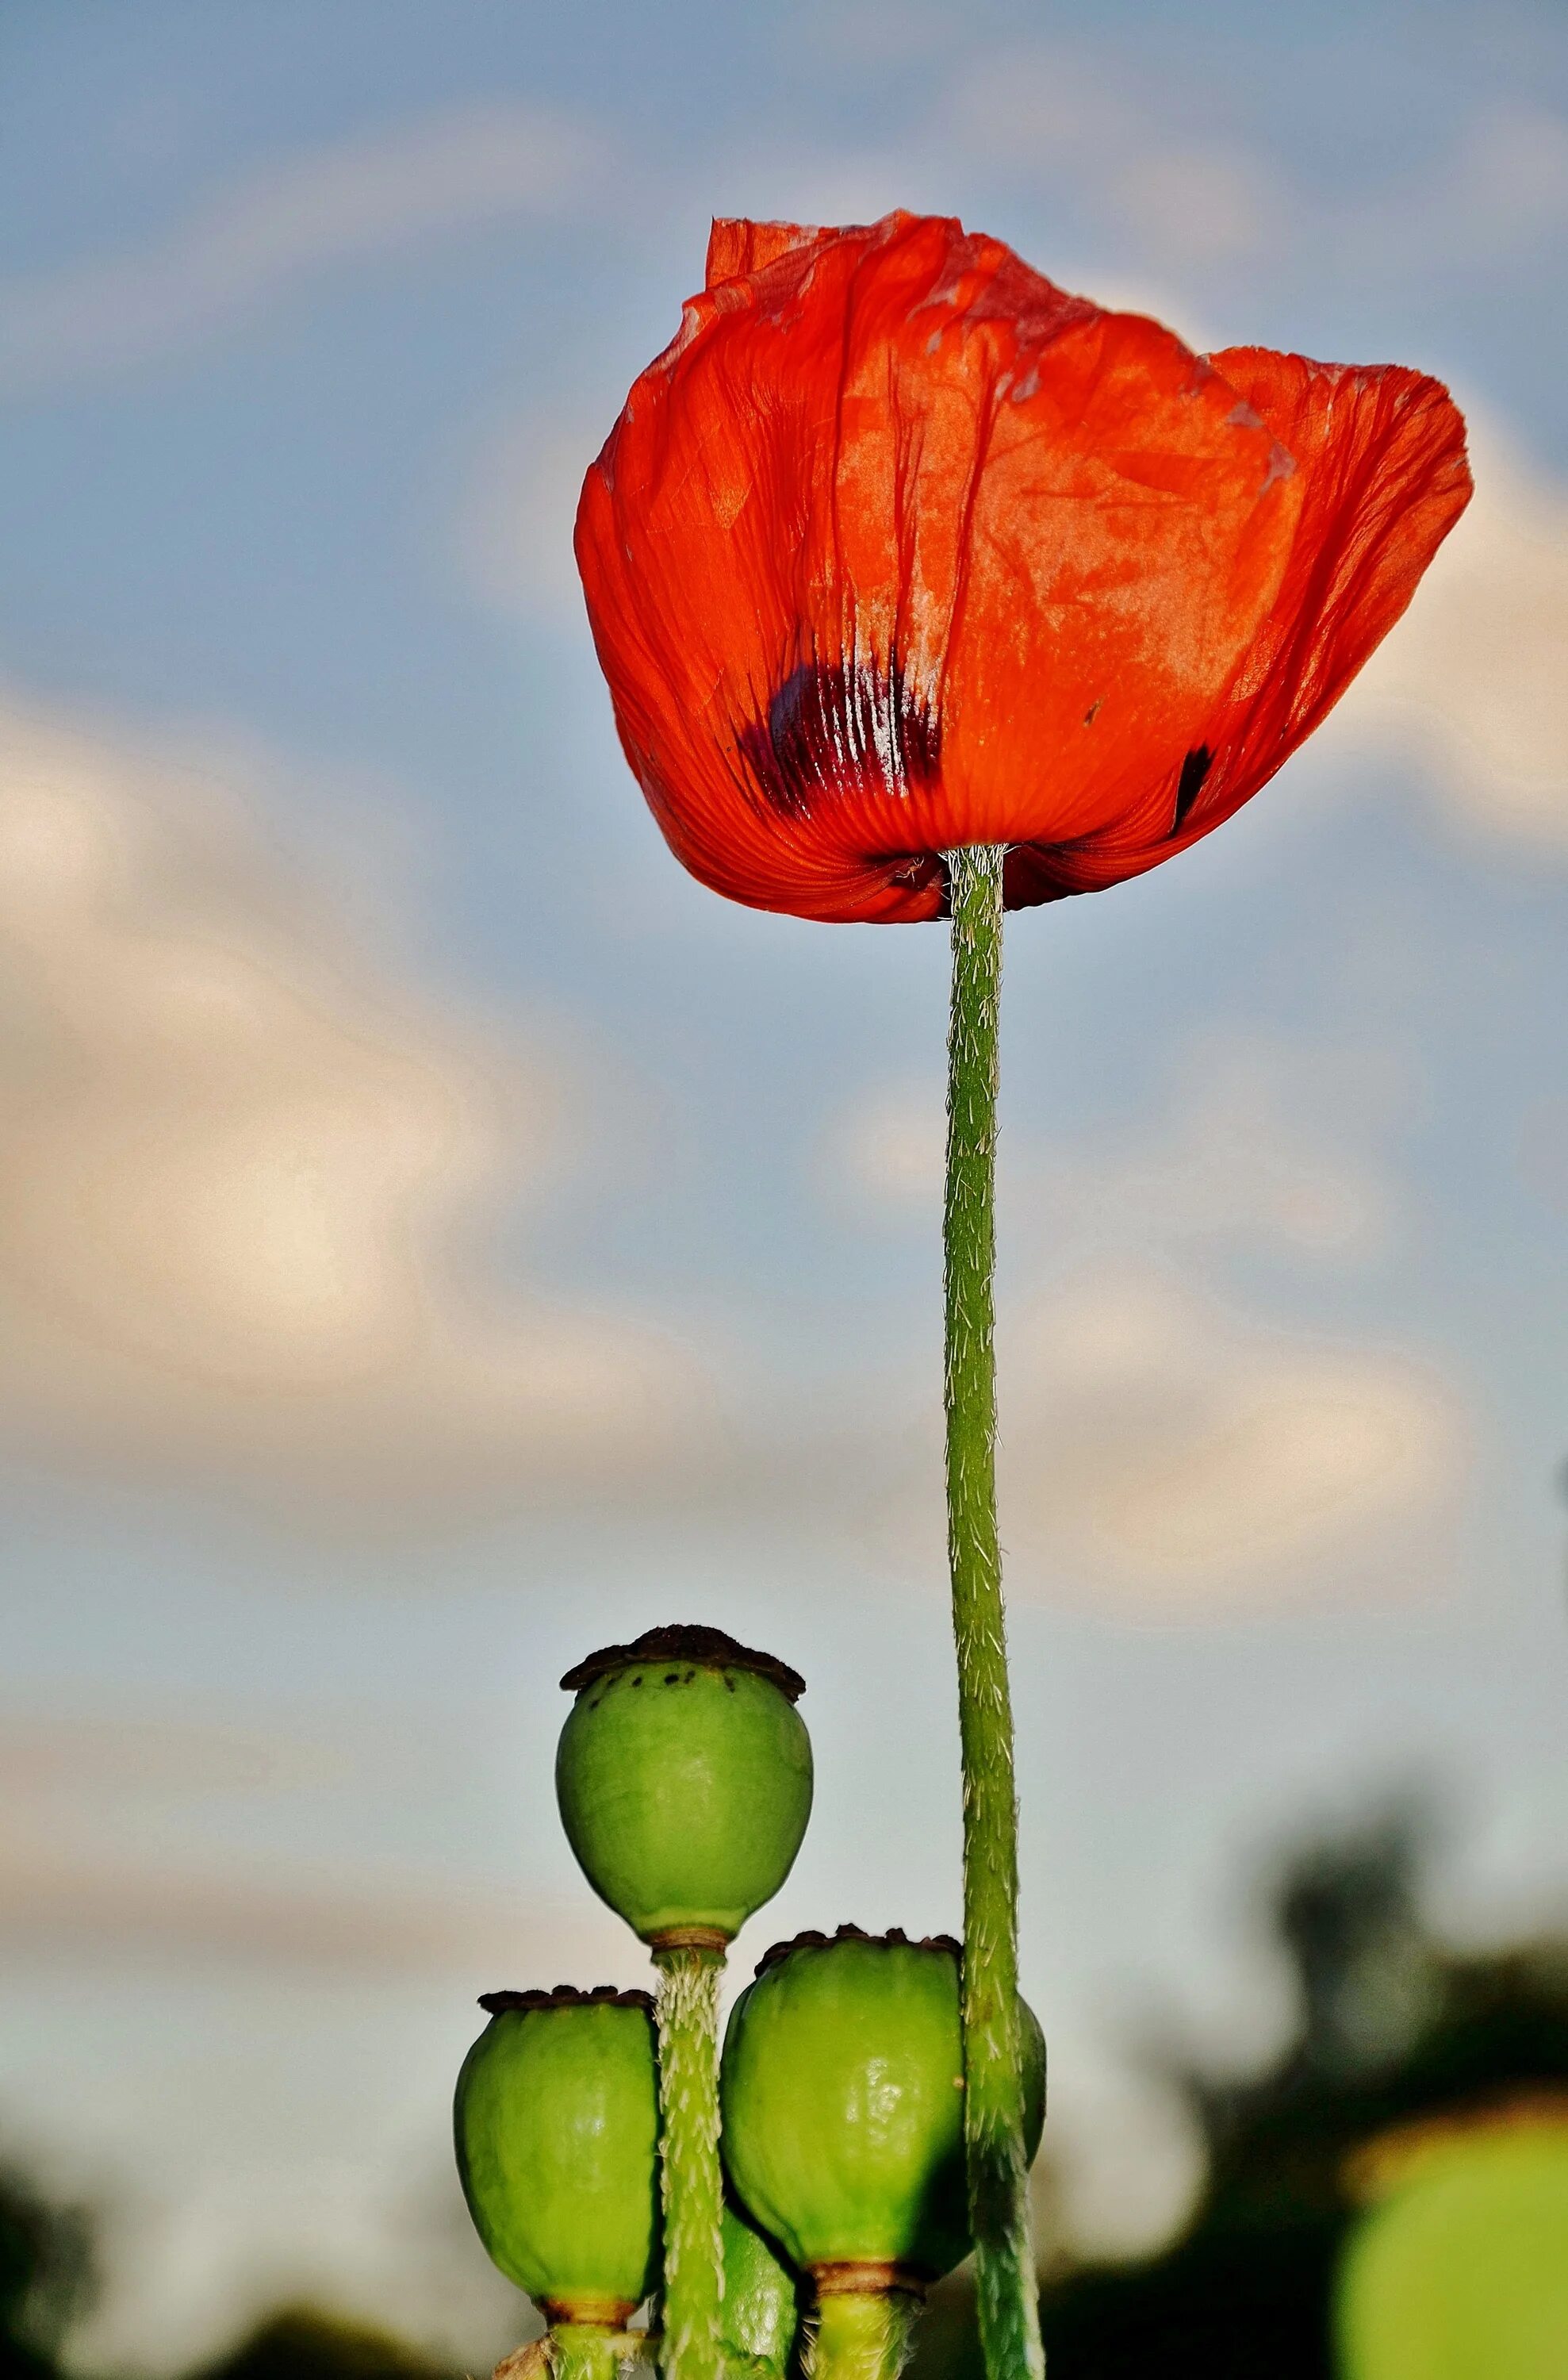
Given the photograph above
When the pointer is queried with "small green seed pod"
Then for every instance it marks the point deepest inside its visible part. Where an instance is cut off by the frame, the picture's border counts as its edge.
(842, 2092)
(685, 1779)
(761, 2303)
(557, 2126)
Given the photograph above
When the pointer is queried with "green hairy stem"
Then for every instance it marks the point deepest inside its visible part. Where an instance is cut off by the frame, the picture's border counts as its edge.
(580, 2351)
(864, 2336)
(998, 2180)
(687, 2012)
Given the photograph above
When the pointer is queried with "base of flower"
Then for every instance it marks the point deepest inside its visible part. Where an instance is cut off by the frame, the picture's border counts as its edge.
(688, 1938)
(588, 2314)
(867, 2279)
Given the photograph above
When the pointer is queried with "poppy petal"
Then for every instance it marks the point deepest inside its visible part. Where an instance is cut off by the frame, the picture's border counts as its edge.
(736, 247)
(1380, 455)
(899, 547)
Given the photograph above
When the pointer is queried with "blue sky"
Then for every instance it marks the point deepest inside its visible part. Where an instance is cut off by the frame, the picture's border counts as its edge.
(440, 1237)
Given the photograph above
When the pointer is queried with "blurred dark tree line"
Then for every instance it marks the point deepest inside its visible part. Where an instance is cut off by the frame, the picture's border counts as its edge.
(45, 2277)
(1393, 2027)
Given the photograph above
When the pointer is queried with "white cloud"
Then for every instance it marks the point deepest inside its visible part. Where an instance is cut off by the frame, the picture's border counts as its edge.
(1511, 181)
(245, 1175)
(1497, 191)
(1255, 1146)
(1150, 162)
(1244, 1156)
(883, 1156)
(109, 1759)
(1163, 1451)
(126, 1831)
(1160, 1448)
(1053, 117)
(1474, 680)
(59, 1898)
(1041, 109)
(1195, 206)
(353, 199)
(515, 526)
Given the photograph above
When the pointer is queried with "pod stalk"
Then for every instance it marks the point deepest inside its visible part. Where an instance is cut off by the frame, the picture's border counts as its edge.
(686, 2007)
(997, 2169)
(863, 2335)
(583, 2350)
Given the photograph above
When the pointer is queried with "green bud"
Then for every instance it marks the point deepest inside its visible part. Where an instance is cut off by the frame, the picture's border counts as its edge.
(685, 1779)
(761, 2303)
(556, 2129)
(843, 2106)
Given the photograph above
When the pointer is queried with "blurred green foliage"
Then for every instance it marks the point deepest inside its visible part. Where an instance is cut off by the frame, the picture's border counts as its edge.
(1464, 2266)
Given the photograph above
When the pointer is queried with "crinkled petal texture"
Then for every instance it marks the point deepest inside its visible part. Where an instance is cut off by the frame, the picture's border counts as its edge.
(899, 548)
(1379, 455)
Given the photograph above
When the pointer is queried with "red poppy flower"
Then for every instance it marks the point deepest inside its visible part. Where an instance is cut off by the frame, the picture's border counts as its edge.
(897, 547)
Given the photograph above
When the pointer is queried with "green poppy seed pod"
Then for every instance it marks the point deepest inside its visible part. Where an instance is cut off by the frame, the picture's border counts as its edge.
(685, 1779)
(761, 2303)
(843, 2104)
(556, 2131)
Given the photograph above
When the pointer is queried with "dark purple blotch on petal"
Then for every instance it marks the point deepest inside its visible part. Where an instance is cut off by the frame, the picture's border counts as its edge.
(841, 727)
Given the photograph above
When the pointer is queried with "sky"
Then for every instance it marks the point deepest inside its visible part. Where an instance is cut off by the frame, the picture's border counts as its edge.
(438, 1237)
